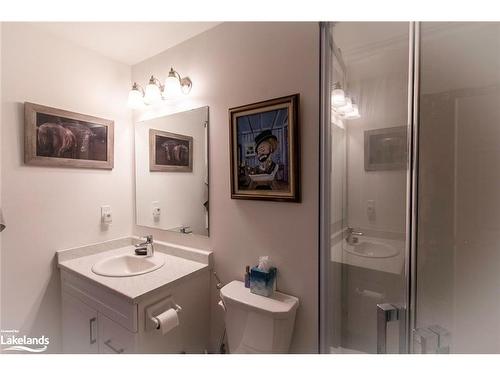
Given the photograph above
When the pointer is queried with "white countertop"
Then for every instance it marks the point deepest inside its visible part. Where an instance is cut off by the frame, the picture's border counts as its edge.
(175, 269)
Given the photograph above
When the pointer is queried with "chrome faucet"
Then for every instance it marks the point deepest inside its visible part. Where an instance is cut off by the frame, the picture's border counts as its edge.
(352, 236)
(146, 247)
(186, 229)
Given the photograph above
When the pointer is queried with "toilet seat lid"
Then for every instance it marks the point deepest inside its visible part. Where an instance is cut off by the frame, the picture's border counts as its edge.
(277, 304)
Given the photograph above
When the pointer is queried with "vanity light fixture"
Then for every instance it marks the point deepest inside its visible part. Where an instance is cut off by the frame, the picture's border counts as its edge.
(155, 91)
(353, 114)
(338, 95)
(136, 96)
(347, 107)
(175, 84)
(342, 104)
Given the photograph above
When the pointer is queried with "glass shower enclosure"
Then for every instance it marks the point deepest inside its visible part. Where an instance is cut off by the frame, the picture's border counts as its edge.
(410, 188)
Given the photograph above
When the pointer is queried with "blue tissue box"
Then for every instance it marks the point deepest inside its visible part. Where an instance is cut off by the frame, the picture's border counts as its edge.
(262, 283)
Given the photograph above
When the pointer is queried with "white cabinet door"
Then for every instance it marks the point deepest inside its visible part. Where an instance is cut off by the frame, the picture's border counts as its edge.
(113, 338)
(79, 326)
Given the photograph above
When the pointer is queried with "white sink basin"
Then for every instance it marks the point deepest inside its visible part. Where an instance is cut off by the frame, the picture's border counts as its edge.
(128, 265)
(372, 249)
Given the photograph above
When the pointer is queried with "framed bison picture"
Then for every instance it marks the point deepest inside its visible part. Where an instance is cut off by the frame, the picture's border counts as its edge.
(59, 138)
(264, 140)
(170, 152)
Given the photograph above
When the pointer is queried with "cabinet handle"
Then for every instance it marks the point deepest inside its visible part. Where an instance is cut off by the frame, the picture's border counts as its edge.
(92, 322)
(108, 344)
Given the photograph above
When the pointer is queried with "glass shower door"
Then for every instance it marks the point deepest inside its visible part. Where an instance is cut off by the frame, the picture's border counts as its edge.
(428, 97)
(457, 304)
(365, 172)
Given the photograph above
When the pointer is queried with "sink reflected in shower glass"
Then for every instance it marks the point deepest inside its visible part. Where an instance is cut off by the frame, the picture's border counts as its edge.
(372, 249)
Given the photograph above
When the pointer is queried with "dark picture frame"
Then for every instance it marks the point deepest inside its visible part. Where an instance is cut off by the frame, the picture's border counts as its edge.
(170, 152)
(59, 138)
(264, 150)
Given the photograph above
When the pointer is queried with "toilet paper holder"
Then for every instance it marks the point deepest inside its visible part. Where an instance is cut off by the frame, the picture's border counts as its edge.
(156, 309)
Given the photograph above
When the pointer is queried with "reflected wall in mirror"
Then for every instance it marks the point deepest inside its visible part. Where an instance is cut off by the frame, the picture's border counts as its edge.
(171, 172)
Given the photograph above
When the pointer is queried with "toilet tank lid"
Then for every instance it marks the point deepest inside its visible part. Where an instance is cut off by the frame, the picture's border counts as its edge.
(278, 303)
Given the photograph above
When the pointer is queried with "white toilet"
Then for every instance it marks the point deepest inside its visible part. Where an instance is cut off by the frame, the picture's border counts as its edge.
(257, 324)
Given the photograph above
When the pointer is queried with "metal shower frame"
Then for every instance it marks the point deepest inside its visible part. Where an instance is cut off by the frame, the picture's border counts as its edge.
(410, 274)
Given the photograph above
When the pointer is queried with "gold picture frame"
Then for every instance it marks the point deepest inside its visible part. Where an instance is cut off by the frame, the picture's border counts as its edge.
(264, 141)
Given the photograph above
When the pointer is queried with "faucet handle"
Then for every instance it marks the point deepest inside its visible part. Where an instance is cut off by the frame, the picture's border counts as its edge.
(149, 238)
(350, 231)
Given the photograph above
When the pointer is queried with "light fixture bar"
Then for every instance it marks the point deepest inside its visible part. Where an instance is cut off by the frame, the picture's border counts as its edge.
(155, 91)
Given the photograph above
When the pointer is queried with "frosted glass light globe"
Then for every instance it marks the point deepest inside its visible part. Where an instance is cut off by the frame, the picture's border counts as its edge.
(172, 87)
(338, 98)
(347, 107)
(153, 94)
(135, 99)
(353, 114)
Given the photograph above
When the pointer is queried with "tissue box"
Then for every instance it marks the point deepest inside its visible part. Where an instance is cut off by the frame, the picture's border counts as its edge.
(261, 282)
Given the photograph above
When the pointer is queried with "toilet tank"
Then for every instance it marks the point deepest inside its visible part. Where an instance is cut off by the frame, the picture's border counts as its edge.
(258, 324)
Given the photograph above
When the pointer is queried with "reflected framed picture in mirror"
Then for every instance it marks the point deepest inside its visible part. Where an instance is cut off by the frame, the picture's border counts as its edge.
(385, 149)
(170, 152)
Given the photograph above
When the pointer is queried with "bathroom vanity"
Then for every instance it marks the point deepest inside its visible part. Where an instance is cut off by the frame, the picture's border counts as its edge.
(117, 314)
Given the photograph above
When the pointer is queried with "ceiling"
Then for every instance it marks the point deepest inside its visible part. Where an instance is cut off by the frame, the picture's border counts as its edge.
(126, 42)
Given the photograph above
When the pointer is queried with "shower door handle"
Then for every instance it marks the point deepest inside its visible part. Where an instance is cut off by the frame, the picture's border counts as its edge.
(431, 340)
(388, 312)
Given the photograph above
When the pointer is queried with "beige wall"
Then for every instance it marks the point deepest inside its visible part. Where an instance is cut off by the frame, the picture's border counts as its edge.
(231, 65)
(1, 25)
(459, 180)
(54, 208)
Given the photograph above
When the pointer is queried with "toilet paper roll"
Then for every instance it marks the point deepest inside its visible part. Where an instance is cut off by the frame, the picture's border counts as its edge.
(166, 321)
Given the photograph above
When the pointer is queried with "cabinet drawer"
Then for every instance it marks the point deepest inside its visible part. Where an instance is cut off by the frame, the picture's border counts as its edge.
(113, 338)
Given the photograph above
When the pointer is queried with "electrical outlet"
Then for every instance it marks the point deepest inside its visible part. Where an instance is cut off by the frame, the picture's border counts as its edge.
(370, 209)
(156, 209)
(106, 214)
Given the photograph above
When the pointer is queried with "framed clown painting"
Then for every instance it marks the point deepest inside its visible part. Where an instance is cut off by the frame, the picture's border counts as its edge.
(264, 139)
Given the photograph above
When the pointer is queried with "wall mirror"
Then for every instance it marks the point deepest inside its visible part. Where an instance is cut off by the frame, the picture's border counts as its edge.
(171, 172)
